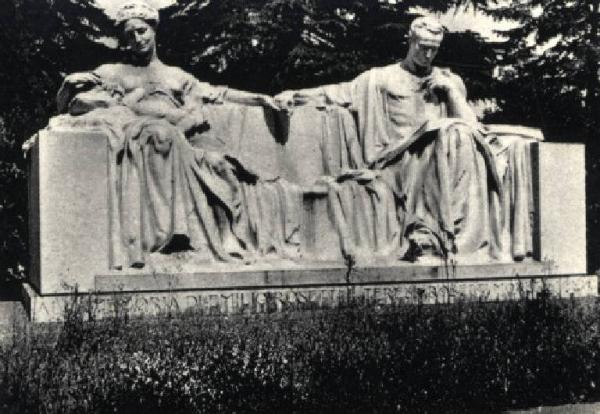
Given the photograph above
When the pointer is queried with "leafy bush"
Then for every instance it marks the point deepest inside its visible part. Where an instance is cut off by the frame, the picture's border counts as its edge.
(464, 357)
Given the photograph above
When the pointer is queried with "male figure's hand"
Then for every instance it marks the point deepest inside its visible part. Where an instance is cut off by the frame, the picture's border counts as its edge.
(441, 83)
(450, 89)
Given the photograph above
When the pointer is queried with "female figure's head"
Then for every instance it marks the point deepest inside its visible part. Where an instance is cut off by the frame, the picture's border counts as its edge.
(136, 22)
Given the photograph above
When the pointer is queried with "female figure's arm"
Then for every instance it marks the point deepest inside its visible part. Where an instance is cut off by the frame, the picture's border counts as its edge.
(340, 94)
(198, 92)
(82, 92)
(249, 98)
(74, 84)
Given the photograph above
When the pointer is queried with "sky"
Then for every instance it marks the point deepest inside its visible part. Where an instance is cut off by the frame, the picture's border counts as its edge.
(457, 20)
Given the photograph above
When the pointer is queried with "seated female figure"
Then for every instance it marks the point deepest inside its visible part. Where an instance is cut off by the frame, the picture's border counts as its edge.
(164, 192)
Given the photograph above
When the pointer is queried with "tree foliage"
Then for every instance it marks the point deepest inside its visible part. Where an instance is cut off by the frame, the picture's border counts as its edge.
(549, 66)
(271, 45)
(41, 40)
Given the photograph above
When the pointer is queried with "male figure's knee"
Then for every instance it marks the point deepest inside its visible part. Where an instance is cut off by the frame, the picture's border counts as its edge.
(458, 137)
(459, 132)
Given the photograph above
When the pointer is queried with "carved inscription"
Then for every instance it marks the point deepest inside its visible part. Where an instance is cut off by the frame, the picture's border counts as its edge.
(263, 301)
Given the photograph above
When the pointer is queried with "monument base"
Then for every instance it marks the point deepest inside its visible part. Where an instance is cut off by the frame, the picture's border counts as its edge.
(317, 287)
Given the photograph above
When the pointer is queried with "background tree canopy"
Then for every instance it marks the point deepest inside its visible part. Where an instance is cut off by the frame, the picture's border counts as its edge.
(543, 73)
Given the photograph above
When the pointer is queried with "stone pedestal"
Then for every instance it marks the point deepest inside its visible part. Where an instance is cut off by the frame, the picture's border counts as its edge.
(69, 224)
(559, 192)
(319, 288)
(68, 210)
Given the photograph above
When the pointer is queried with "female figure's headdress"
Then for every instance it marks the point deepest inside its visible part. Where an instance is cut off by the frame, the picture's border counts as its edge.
(137, 9)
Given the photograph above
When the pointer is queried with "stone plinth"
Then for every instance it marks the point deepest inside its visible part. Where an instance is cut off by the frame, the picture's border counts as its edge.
(69, 236)
(559, 191)
(264, 288)
(68, 208)
(240, 293)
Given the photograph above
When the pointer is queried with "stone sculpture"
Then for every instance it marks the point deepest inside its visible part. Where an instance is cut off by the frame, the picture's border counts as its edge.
(419, 135)
(416, 176)
(165, 193)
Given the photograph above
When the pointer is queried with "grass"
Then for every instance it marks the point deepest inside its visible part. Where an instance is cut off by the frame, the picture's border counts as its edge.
(461, 357)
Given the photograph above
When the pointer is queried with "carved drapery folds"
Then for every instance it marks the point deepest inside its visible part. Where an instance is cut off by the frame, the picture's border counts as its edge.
(235, 189)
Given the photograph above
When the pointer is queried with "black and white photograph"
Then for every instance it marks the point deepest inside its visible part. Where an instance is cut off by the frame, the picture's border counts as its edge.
(299, 206)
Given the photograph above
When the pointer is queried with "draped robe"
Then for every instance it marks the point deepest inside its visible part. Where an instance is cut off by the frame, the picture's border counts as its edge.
(414, 174)
(167, 194)
(439, 168)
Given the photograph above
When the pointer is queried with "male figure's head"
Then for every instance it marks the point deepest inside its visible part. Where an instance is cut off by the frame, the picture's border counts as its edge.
(136, 22)
(424, 39)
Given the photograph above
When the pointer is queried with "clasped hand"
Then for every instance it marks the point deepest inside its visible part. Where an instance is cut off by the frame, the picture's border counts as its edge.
(287, 100)
(267, 101)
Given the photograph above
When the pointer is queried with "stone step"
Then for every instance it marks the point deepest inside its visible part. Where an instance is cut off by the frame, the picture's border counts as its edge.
(587, 408)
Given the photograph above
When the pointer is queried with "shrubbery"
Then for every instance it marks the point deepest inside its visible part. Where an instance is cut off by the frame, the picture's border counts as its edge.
(448, 358)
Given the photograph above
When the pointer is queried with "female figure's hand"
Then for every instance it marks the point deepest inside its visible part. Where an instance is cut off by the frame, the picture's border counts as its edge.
(80, 80)
(285, 100)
